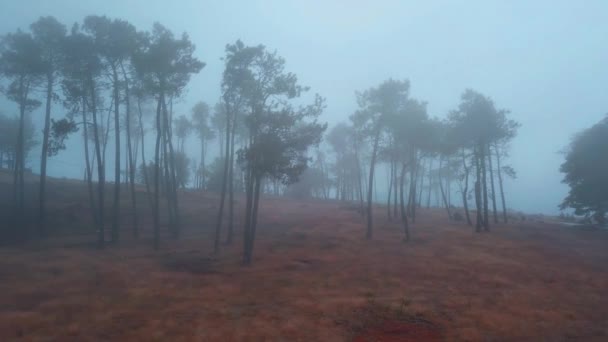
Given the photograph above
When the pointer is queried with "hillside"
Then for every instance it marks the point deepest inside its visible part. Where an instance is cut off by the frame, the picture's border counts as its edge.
(314, 278)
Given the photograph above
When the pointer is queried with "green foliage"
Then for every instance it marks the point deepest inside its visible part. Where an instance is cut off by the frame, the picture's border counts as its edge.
(585, 169)
(164, 63)
(60, 130)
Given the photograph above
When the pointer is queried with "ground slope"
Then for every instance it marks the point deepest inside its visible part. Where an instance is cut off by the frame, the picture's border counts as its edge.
(314, 278)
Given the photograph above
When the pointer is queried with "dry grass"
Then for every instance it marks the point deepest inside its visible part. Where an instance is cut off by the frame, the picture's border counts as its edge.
(314, 278)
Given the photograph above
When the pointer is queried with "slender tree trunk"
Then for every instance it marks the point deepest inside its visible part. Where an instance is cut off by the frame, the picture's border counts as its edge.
(359, 178)
(495, 215)
(231, 184)
(202, 175)
(412, 192)
(406, 228)
(421, 176)
(484, 184)
(220, 214)
(478, 205)
(166, 179)
(89, 175)
(502, 193)
(428, 198)
(172, 170)
(372, 166)
(131, 164)
(390, 188)
(396, 183)
(465, 192)
(249, 187)
(254, 219)
(44, 155)
(116, 203)
(101, 239)
(443, 196)
(143, 156)
(18, 179)
(157, 167)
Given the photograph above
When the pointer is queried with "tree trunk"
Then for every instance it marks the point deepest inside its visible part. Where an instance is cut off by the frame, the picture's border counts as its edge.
(445, 201)
(131, 164)
(406, 228)
(478, 206)
(143, 156)
(390, 188)
(428, 198)
(172, 170)
(396, 183)
(254, 220)
(502, 193)
(411, 204)
(231, 184)
(248, 209)
(484, 184)
(369, 213)
(202, 173)
(492, 184)
(465, 192)
(157, 167)
(18, 170)
(89, 175)
(44, 155)
(116, 203)
(100, 168)
(220, 214)
(421, 176)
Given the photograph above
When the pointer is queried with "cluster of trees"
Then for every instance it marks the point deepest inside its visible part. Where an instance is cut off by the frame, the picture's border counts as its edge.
(106, 74)
(391, 127)
(258, 98)
(109, 77)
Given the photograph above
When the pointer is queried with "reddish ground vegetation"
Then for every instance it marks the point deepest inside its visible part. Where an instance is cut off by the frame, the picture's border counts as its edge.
(314, 278)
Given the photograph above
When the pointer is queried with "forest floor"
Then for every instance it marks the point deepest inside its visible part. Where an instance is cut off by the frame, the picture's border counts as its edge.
(314, 278)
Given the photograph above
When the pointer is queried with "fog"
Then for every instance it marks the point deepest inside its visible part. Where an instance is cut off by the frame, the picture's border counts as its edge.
(543, 60)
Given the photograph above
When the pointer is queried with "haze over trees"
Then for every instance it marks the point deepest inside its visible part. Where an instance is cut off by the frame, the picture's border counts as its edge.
(254, 170)
(118, 85)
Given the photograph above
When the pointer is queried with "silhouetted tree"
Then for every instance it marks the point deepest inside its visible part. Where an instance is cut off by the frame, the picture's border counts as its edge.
(481, 126)
(82, 69)
(165, 65)
(585, 170)
(376, 105)
(200, 122)
(279, 134)
(115, 42)
(50, 35)
(183, 128)
(22, 65)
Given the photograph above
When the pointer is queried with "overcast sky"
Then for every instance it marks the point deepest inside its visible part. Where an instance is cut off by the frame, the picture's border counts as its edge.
(543, 60)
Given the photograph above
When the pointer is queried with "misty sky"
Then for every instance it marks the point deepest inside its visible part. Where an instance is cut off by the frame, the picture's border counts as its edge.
(543, 60)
